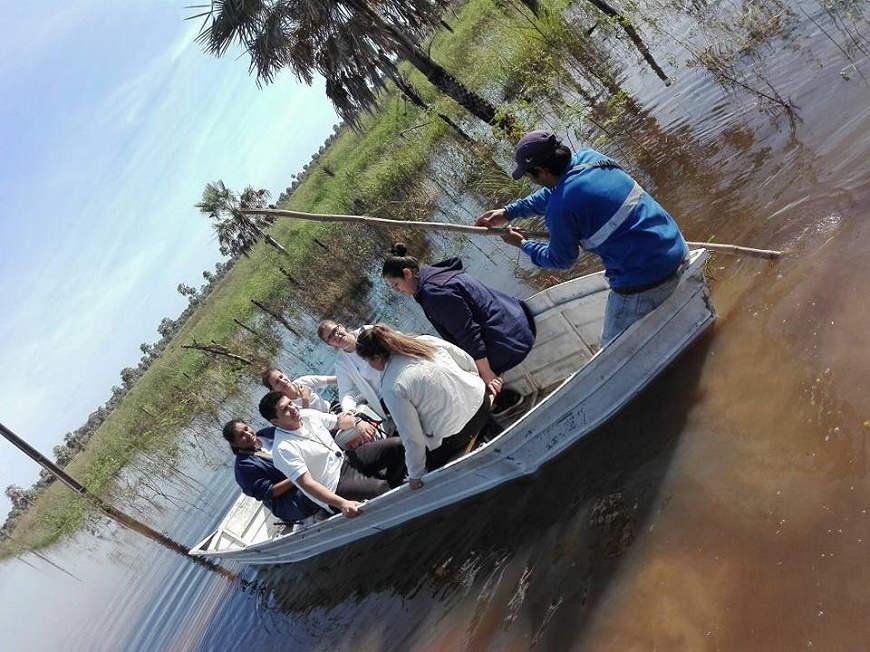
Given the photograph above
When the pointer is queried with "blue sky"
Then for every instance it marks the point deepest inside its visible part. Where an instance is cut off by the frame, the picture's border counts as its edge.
(111, 122)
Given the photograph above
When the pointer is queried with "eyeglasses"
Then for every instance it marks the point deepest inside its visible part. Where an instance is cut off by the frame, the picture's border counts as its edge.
(334, 333)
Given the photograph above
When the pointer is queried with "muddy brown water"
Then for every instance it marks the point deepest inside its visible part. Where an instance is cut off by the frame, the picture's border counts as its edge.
(726, 508)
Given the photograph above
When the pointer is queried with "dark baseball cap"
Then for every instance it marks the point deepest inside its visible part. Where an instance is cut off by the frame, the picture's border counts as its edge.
(533, 149)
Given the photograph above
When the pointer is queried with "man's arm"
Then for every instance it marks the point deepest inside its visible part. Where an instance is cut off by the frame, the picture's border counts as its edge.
(350, 508)
(534, 204)
(316, 381)
(492, 218)
(562, 249)
(327, 419)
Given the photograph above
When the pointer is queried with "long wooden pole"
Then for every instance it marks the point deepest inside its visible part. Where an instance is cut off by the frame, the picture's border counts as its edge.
(115, 514)
(732, 249)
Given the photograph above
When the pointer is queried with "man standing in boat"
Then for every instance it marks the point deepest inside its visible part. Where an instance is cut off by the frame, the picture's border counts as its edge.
(306, 453)
(589, 202)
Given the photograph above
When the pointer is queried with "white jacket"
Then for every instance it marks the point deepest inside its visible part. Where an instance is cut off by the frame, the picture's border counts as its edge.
(357, 381)
(431, 399)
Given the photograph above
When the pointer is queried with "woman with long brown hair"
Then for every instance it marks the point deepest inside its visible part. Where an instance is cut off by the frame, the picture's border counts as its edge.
(437, 400)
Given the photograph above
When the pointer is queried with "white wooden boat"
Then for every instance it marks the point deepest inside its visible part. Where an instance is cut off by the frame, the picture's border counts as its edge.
(571, 386)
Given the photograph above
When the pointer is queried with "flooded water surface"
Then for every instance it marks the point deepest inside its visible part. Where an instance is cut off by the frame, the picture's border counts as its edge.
(726, 508)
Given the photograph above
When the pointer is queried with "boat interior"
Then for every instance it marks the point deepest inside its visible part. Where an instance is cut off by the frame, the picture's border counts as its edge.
(568, 319)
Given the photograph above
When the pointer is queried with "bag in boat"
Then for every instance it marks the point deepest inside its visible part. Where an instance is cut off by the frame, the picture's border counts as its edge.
(351, 438)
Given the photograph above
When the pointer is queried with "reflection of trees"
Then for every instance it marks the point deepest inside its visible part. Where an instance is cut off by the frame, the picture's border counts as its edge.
(732, 46)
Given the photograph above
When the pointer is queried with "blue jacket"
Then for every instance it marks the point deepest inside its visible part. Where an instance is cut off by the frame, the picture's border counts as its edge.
(479, 320)
(256, 475)
(603, 210)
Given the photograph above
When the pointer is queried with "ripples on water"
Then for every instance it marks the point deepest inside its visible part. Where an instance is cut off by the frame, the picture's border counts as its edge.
(725, 508)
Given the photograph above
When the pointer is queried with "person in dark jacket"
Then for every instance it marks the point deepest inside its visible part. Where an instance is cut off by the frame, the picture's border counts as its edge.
(257, 476)
(494, 328)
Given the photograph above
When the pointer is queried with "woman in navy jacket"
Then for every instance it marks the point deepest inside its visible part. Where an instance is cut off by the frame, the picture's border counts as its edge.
(257, 476)
(494, 328)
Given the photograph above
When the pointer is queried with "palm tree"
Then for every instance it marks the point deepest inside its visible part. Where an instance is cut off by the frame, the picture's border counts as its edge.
(353, 44)
(237, 232)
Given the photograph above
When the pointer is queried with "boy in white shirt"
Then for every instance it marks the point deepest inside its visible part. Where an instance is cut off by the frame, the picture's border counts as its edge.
(306, 453)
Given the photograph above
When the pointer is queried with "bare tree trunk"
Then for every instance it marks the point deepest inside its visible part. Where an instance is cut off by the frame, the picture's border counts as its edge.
(629, 29)
(411, 93)
(437, 74)
(277, 245)
(290, 277)
(217, 350)
(259, 337)
(277, 316)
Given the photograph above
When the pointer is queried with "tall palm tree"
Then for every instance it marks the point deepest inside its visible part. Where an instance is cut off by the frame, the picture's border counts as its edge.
(237, 232)
(353, 44)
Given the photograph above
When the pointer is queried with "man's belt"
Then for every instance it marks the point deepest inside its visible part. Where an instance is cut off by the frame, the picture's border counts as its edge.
(637, 289)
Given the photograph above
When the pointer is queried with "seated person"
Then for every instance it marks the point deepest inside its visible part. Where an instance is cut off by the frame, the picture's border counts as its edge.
(433, 391)
(306, 453)
(257, 476)
(496, 329)
(357, 381)
(300, 391)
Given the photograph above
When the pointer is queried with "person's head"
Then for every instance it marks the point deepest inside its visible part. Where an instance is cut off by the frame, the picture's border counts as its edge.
(375, 345)
(239, 434)
(278, 410)
(275, 380)
(541, 156)
(400, 270)
(336, 335)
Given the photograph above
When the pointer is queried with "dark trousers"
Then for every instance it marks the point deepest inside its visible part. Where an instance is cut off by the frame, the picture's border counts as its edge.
(454, 444)
(372, 469)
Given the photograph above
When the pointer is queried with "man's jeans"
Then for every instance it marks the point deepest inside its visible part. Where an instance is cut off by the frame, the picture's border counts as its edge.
(622, 311)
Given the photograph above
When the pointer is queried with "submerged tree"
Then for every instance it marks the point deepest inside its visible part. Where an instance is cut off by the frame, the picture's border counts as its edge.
(236, 231)
(353, 44)
(628, 27)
